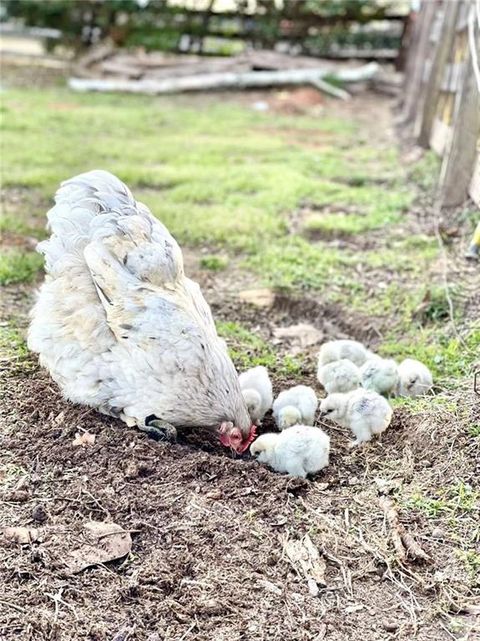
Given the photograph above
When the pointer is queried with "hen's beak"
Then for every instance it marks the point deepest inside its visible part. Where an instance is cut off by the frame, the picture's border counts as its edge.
(232, 437)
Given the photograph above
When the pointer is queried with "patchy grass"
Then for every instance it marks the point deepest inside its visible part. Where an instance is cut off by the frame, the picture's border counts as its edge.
(450, 359)
(248, 350)
(474, 431)
(454, 500)
(19, 267)
(12, 342)
(214, 263)
(223, 174)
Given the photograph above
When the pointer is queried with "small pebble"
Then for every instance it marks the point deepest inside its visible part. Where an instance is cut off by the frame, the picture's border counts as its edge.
(132, 471)
(389, 625)
(438, 533)
(39, 514)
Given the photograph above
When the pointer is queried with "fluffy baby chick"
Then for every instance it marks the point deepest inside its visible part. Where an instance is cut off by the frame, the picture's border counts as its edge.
(257, 391)
(380, 375)
(336, 350)
(298, 450)
(366, 413)
(295, 406)
(339, 376)
(415, 378)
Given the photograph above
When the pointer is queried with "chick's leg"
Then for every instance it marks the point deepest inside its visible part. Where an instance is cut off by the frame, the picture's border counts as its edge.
(363, 434)
(160, 430)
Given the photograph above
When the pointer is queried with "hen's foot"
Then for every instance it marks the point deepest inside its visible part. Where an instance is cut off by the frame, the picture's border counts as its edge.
(160, 430)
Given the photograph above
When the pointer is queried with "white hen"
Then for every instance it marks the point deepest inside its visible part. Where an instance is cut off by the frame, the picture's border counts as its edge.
(299, 450)
(119, 325)
(339, 376)
(415, 378)
(365, 413)
(257, 391)
(294, 406)
(380, 375)
(335, 350)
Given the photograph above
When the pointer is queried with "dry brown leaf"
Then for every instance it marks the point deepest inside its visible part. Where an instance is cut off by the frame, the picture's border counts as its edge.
(59, 418)
(258, 297)
(83, 439)
(21, 535)
(103, 542)
(307, 561)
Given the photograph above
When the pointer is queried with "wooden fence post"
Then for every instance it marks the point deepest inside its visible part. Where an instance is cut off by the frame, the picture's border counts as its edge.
(421, 37)
(459, 161)
(437, 70)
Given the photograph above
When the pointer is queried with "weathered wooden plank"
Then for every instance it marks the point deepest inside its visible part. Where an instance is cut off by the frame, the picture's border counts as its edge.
(432, 92)
(458, 163)
(413, 90)
(474, 189)
(440, 136)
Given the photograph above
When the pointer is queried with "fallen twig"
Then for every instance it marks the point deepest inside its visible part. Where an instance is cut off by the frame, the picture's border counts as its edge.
(404, 543)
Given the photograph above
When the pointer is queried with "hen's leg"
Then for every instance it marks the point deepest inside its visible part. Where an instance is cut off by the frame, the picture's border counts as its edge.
(160, 430)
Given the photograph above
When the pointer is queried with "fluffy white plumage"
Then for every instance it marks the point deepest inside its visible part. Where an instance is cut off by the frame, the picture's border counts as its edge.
(294, 406)
(257, 391)
(336, 350)
(366, 413)
(118, 324)
(380, 375)
(298, 450)
(339, 376)
(415, 378)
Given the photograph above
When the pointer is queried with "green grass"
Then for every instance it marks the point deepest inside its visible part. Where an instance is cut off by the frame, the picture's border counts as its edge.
(19, 267)
(249, 350)
(12, 343)
(453, 500)
(474, 431)
(449, 358)
(214, 263)
(220, 173)
(223, 175)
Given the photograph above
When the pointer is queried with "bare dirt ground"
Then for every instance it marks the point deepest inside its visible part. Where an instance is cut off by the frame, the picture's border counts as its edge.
(210, 532)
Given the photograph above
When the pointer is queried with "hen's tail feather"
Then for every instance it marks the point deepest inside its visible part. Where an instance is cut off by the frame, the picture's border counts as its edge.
(86, 206)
